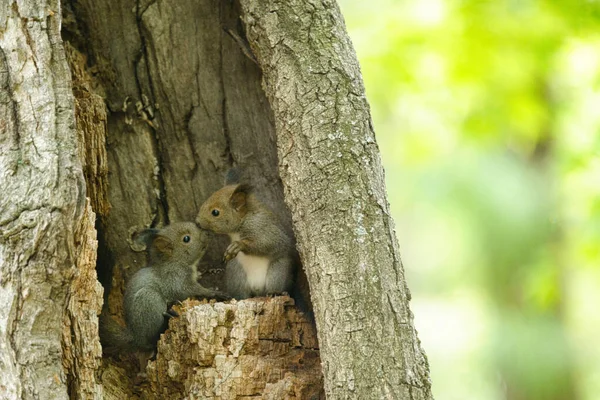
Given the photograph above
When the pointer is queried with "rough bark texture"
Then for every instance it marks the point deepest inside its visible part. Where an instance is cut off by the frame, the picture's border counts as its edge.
(90, 113)
(180, 103)
(251, 349)
(82, 353)
(256, 348)
(42, 201)
(334, 185)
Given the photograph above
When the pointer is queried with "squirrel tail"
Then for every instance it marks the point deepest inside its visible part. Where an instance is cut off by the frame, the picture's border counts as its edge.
(114, 337)
(301, 295)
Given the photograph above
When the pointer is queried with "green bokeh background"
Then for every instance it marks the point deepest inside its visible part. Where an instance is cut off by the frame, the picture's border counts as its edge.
(487, 114)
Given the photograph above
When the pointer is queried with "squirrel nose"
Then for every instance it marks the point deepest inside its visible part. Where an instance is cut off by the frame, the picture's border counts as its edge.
(199, 224)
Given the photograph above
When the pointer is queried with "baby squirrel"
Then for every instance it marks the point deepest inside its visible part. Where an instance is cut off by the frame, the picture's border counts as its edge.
(170, 276)
(261, 258)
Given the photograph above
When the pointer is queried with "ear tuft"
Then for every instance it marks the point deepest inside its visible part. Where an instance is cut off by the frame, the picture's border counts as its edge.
(233, 176)
(243, 188)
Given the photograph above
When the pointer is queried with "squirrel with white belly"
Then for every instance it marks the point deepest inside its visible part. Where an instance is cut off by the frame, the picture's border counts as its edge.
(262, 257)
(173, 253)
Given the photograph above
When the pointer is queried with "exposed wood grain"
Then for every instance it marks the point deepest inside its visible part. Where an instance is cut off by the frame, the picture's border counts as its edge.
(82, 352)
(256, 348)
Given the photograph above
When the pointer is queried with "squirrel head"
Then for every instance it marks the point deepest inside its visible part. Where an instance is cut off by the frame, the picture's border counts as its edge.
(182, 242)
(224, 210)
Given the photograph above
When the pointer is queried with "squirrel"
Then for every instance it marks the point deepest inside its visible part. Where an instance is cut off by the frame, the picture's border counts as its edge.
(262, 257)
(173, 253)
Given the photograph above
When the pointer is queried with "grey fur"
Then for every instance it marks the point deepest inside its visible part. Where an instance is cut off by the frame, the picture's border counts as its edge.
(169, 277)
(260, 233)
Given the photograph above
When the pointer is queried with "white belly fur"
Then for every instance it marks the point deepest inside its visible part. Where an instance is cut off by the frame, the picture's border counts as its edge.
(255, 267)
(256, 270)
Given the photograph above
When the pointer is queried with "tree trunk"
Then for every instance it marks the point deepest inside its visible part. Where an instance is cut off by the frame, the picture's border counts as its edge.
(167, 97)
(42, 201)
(257, 348)
(333, 179)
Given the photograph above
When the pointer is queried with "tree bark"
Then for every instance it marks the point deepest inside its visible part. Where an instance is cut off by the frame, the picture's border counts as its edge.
(251, 349)
(81, 348)
(42, 201)
(334, 186)
(256, 348)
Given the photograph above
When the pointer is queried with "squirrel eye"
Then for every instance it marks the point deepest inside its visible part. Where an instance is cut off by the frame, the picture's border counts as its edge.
(215, 212)
(186, 239)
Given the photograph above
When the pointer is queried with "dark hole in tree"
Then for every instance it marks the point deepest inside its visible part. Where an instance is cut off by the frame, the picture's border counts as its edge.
(183, 104)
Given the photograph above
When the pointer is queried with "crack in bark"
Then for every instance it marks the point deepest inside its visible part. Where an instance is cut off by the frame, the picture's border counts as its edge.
(37, 126)
(228, 152)
(5, 82)
(29, 40)
(162, 187)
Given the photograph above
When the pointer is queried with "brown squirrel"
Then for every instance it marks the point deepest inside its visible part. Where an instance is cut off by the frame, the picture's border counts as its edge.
(173, 253)
(262, 257)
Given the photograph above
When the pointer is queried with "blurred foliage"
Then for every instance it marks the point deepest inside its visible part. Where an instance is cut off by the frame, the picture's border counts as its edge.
(487, 114)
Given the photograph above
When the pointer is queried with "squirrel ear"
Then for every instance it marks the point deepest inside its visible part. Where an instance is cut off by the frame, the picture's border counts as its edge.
(162, 245)
(239, 196)
(142, 239)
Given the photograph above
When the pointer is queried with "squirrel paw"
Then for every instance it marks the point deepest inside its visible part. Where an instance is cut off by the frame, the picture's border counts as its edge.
(232, 250)
(170, 313)
(275, 294)
(214, 270)
(222, 296)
